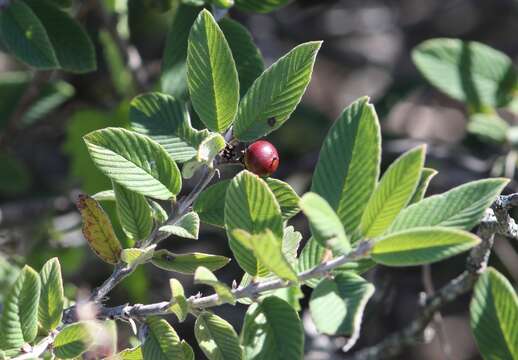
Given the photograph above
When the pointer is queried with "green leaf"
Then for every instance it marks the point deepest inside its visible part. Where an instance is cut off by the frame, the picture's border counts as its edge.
(159, 213)
(211, 74)
(98, 230)
(187, 263)
(162, 342)
(312, 255)
(467, 71)
(489, 127)
(73, 48)
(210, 147)
(24, 35)
(421, 246)
(128, 354)
(73, 340)
(286, 197)
(51, 302)
(272, 330)
(19, 323)
(137, 256)
(188, 226)
(261, 6)
(248, 58)
(337, 305)
(135, 162)
(105, 195)
(494, 316)
(326, 227)
(204, 276)
(348, 167)
(290, 244)
(292, 295)
(190, 168)
(210, 204)
(393, 193)
(251, 206)
(427, 175)
(268, 250)
(180, 306)
(187, 351)
(462, 207)
(217, 338)
(134, 213)
(166, 120)
(276, 93)
(174, 72)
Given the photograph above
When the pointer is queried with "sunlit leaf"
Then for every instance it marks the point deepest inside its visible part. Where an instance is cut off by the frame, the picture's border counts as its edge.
(272, 330)
(462, 207)
(251, 206)
(248, 58)
(51, 302)
(217, 338)
(19, 322)
(73, 340)
(393, 193)
(187, 263)
(494, 316)
(326, 227)
(211, 74)
(188, 226)
(337, 305)
(180, 306)
(204, 276)
(276, 93)
(162, 342)
(268, 250)
(134, 213)
(348, 166)
(166, 120)
(421, 246)
(135, 161)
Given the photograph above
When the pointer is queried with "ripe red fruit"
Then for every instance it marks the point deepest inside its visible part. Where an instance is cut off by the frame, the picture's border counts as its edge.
(261, 158)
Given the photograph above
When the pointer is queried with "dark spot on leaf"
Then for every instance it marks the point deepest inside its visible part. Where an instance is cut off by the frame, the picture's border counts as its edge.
(271, 122)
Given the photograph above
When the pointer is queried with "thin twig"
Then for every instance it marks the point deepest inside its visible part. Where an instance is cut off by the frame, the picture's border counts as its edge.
(250, 291)
(437, 318)
(123, 270)
(38, 349)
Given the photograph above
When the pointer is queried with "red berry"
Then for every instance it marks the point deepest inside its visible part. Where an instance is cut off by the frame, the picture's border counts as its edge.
(261, 158)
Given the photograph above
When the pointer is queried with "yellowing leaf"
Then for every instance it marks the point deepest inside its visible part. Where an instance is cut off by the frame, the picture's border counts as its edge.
(98, 230)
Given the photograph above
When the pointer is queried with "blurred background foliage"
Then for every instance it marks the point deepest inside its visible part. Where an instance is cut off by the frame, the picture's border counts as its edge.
(367, 51)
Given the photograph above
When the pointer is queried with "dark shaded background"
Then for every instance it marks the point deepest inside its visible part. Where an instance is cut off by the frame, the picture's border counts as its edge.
(366, 51)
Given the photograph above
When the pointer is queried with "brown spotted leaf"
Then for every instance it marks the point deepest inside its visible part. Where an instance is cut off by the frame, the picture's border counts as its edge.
(98, 230)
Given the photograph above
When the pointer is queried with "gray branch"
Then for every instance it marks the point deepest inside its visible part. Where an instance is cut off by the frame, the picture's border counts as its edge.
(250, 291)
